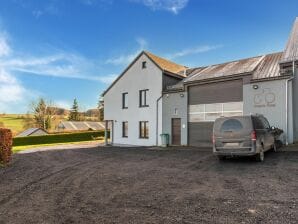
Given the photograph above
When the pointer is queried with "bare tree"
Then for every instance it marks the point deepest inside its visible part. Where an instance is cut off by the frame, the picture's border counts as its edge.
(28, 121)
(43, 113)
(100, 107)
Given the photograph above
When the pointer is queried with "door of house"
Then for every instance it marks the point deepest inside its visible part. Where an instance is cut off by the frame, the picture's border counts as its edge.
(176, 131)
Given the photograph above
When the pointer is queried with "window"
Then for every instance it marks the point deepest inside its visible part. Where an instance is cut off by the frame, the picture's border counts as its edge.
(265, 122)
(144, 129)
(143, 98)
(124, 100)
(209, 112)
(125, 129)
(231, 125)
(258, 125)
(144, 65)
(176, 111)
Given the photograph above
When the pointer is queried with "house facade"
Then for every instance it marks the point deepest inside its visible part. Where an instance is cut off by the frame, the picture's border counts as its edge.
(133, 103)
(190, 99)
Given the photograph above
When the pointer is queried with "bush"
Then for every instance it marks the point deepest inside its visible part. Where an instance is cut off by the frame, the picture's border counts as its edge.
(57, 138)
(5, 146)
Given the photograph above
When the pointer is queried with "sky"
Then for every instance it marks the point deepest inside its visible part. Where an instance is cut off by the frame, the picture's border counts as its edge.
(65, 49)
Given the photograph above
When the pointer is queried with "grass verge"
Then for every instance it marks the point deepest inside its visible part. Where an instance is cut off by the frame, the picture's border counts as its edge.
(17, 149)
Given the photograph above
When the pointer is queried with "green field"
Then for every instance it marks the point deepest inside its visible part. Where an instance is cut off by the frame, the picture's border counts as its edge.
(15, 122)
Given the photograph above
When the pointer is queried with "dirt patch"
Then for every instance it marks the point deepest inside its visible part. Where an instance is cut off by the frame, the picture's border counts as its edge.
(141, 185)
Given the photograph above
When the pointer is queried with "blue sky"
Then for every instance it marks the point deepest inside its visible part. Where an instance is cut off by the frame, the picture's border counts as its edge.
(66, 49)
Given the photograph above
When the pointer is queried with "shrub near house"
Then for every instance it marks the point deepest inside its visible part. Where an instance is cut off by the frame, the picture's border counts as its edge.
(5, 146)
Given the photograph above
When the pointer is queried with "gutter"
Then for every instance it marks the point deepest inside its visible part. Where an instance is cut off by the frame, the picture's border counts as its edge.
(217, 79)
(157, 110)
(287, 102)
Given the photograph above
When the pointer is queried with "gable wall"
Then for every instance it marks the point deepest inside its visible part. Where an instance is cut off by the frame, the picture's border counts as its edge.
(132, 81)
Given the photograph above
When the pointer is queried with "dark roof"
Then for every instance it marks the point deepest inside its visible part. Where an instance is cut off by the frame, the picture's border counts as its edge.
(291, 51)
(30, 131)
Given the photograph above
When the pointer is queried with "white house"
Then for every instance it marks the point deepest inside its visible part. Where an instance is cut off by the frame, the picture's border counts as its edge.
(133, 103)
(154, 96)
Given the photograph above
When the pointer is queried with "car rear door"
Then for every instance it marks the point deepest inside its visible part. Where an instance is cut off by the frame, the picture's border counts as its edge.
(233, 132)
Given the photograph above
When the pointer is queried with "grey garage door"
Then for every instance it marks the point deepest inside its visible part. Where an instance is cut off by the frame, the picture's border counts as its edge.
(206, 102)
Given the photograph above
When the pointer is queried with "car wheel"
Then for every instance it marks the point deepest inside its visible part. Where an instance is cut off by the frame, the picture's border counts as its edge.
(260, 156)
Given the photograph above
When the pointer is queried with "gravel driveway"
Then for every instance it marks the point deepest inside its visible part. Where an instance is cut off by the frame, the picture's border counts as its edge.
(146, 185)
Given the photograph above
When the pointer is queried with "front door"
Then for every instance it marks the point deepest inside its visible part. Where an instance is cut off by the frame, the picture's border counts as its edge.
(176, 131)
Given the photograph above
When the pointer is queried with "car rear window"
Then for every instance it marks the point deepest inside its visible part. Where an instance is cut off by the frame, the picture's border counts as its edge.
(231, 125)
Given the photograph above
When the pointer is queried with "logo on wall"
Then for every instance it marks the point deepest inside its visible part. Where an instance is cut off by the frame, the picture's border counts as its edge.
(264, 99)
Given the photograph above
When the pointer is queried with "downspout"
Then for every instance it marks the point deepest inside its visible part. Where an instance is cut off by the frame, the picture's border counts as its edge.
(287, 102)
(157, 109)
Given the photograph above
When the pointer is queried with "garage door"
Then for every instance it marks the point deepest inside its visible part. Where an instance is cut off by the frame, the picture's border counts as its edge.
(208, 102)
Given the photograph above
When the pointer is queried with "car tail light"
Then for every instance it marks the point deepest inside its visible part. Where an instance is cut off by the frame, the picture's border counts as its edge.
(253, 136)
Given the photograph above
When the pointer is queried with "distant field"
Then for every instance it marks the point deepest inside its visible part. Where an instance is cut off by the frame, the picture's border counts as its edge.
(15, 122)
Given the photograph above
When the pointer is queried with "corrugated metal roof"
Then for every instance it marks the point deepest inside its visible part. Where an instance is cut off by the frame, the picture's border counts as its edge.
(247, 65)
(29, 132)
(269, 67)
(81, 125)
(166, 64)
(291, 51)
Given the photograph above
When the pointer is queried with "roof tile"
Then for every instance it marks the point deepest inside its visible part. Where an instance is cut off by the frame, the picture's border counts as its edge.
(167, 65)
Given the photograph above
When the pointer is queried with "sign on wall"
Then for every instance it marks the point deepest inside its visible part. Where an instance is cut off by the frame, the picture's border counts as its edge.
(265, 98)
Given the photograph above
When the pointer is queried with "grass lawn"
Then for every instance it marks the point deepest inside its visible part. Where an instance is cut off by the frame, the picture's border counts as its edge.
(17, 149)
(15, 122)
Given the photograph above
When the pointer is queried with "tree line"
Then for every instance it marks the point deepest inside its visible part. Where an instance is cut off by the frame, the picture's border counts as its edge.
(43, 113)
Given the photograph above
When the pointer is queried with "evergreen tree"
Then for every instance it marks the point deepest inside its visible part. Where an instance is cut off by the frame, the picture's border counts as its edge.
(74, 111)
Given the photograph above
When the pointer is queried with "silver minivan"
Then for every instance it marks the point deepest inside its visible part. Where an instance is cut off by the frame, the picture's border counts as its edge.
(243, 136)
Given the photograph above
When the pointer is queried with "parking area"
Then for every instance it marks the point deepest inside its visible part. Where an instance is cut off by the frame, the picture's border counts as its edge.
(148, 185)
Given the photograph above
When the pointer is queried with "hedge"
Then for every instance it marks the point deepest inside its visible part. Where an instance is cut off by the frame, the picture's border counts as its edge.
(57, 138)
(5, 146)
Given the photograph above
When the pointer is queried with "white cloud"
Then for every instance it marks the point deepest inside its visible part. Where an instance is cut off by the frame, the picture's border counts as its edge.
(59, 64)
(194, 50)
(174, 6)
(12, 93)
(4, 47)
(11, 90)
(107, 79)
(128, 58)
(14, 96)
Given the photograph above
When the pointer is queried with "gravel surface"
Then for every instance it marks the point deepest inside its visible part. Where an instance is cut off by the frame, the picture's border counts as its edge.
(147, 185)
